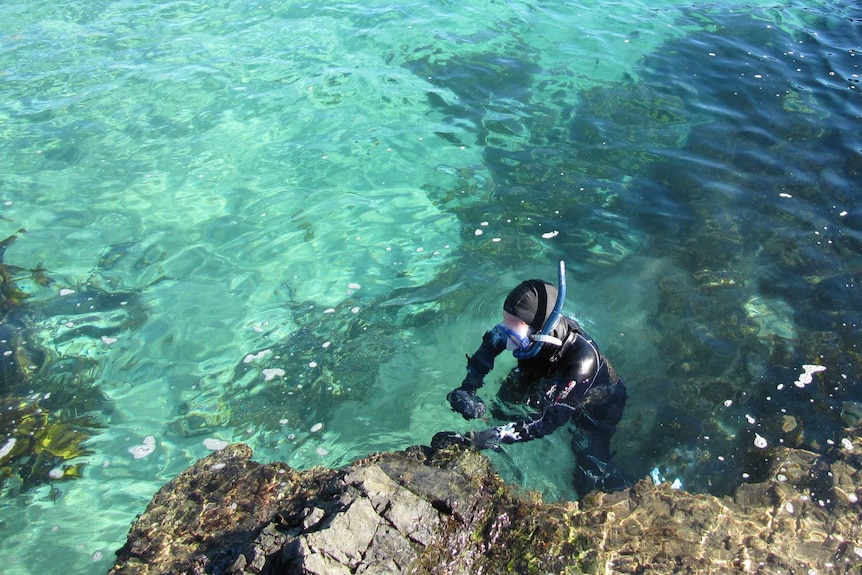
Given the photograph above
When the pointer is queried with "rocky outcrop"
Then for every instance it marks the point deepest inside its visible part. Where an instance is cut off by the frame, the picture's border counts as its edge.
(448, 512)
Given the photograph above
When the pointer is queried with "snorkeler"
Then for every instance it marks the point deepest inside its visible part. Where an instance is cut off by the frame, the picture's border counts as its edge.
(561, 373)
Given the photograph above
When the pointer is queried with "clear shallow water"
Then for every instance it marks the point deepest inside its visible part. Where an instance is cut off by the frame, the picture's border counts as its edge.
(346, 193)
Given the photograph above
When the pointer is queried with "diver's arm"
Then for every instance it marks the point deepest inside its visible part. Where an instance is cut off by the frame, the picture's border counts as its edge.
(554, 416)
(515, 432)
(482, 362)
(463, 399)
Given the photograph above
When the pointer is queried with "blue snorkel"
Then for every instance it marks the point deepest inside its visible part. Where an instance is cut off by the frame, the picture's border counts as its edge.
(544, 335)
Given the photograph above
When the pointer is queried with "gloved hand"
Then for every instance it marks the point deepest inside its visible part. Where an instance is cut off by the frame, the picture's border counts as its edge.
(486, 439)
(467, 403)
(443, 439)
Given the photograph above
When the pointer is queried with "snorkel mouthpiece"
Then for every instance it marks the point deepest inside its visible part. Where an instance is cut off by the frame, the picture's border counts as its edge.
(544, 335)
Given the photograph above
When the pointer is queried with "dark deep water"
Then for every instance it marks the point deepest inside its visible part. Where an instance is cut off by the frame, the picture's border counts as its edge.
(724, 177)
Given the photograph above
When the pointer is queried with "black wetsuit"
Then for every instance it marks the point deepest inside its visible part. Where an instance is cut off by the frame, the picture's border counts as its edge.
(573, 382)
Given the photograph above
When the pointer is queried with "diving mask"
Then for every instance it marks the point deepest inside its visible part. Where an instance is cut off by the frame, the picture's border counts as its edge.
(514, 340)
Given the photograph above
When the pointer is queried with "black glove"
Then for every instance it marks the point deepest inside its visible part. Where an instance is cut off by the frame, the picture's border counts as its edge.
(443, 439)
(485, 439)
(467, 403)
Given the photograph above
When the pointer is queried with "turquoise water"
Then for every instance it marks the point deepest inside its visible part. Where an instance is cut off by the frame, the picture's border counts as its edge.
(286, 223)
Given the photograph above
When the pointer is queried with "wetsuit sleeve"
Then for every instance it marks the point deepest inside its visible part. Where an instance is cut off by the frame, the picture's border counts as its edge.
(554, 416)
(482, 362)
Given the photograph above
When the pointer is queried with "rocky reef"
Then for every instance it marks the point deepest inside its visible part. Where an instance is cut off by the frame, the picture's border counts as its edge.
(424, 512)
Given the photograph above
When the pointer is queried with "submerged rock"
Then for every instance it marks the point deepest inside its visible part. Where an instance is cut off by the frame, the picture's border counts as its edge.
(421, 512)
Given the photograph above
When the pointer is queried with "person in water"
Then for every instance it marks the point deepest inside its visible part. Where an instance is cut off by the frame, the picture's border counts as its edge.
(560, 373)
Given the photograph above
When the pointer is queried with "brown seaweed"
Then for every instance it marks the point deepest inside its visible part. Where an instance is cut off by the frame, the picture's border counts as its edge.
(49, 404)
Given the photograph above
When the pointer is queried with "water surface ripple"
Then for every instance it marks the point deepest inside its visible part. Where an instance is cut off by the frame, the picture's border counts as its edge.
(286, 223)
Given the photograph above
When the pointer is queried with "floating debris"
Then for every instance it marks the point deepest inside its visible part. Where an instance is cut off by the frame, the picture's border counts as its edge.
(256, 356)
(145, 449)
(214, 444)
(807, 375)
(272, 373)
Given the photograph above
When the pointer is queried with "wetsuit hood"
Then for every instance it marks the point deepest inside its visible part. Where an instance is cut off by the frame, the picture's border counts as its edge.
(532, 302)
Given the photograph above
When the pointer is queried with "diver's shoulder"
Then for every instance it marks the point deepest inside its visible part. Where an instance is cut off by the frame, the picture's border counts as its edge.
(573, 325)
